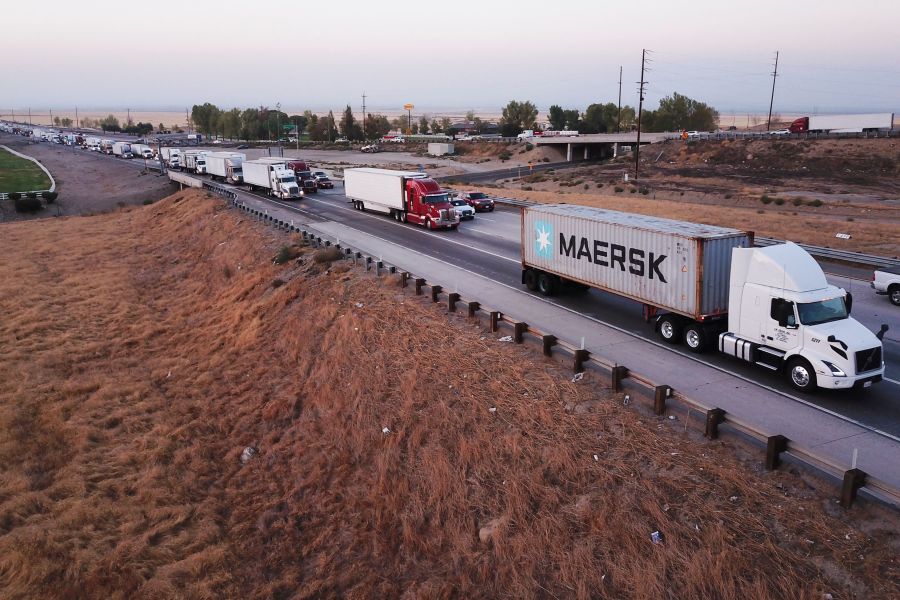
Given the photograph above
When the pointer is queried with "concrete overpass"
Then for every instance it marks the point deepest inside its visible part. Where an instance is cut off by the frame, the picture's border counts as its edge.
(596, 145)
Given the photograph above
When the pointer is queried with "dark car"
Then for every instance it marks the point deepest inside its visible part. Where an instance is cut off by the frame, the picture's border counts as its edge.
(478, 200)
(242, 147)
(324, 183)
(309, 186)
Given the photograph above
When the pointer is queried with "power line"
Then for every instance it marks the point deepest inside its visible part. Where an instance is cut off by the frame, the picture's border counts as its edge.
(772, 98)
(641, 83)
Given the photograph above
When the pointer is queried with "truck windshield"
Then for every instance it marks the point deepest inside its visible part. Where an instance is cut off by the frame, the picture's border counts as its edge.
(477, 196)
(824, 311)
(288, 180)
(436, 198)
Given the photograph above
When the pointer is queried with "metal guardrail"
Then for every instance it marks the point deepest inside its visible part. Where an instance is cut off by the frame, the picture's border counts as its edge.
(768, 135)
(832, 254)
(620, 378)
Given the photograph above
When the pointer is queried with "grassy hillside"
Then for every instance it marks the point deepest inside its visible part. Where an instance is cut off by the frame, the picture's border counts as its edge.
(20, 175)
(141, 352)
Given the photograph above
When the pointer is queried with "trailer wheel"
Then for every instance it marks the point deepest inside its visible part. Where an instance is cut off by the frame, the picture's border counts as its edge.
(546, 284)
(531, 279)
(801, 375)
(695, 338)
(668, 328)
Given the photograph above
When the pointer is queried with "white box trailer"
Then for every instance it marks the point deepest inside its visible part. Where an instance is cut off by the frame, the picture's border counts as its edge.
(142, 150)
(121, 149)
(194, 160)
(851, 123)
(272, 175)
(440, 149)
(171, 156)
(227, 166)
(672, 265)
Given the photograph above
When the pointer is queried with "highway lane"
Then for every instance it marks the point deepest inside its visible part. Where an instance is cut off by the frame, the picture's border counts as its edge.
(489, 246)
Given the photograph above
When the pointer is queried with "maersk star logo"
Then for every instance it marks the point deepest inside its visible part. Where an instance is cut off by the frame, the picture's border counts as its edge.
(543, 243)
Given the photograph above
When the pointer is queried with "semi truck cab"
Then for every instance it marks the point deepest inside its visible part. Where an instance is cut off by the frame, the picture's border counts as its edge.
(784, 315)
(283, 183)
(428, 205)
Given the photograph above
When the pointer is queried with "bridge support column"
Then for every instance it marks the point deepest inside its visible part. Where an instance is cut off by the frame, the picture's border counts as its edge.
(568, 152)
(587, 151)
(615, 149)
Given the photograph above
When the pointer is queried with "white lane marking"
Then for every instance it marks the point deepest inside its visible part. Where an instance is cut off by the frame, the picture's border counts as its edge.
(508, 239)
(649, 341)
(411, 227)
(894, 381)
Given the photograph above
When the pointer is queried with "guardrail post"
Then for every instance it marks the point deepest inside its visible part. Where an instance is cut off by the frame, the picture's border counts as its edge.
(473, 308)
(714, 417)
(853, 480)
(368, 263)
(495, 319)
(392, 269)
(548, 341)
(617, 374)
(435, 290)
(420, 282)
(660, 393)
(378, 266)
(775, 445)
(519, 330)
(581, 357)
(404, 279)
(452, 299)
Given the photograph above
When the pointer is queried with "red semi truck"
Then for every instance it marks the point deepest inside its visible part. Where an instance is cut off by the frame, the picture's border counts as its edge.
(404, 195)
(843, 123)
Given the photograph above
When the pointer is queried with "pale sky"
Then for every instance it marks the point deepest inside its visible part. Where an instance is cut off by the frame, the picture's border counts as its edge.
(102, 54)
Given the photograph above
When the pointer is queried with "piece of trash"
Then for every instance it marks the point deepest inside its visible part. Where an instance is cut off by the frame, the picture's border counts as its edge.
(359, 305)
(596, 458)
(733, 498)
(356, 329)
(626, 400)
(492, 409)
(248, 453)
(505, 338)
(450, 386)
(603, 577)
(673, 454)
(672, 417)
(385, 430)
(169, 375)
(827, 597)
(656, 537)
(696, 527)
(847, 537)
(665, 508)
(481, 338)
(809, 541)
(578, 377)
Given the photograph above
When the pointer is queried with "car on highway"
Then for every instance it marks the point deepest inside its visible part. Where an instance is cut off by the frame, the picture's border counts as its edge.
(462, 207)
(242, 147)
(478, 200)
(780, 132)
(324, 183)
(342, 140)
(886, 282)
(693, 134)
(371, 148)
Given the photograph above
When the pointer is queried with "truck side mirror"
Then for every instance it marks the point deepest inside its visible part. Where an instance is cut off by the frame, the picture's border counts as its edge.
(848, 300)
(882, 331)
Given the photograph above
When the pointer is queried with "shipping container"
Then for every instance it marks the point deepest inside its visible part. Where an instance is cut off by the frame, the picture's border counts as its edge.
(673, 265)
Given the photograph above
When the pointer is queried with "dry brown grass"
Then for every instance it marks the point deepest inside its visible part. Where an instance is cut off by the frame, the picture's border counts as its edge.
(140, 352)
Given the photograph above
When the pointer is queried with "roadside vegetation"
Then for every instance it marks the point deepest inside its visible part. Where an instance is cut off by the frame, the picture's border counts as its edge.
(20, 175)
(180, 416)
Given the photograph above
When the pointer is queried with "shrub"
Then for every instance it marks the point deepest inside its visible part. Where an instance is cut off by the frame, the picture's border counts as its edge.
(28, 204)
(632, 190)
(32, 195)
(760, 211)
(505, 155)
(277, 283)
(851, 219)
(765, 199)
(587, 185)
(50, 197)
(147, 202)
(527, 188)
(816, 202)
(226, 272)
(778, 201)
(327, 255)
(546, 159)
(599, 185)
(798, 201)
(619, 189)
(529, 146)
(728, 196)
(284, 255)
(645, 190)
(14, 196)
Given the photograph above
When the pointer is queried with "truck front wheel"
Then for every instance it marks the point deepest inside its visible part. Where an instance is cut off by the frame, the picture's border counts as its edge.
(801, 375)
(695, 338)
(894, 294)
(428, 224)
(668, 328)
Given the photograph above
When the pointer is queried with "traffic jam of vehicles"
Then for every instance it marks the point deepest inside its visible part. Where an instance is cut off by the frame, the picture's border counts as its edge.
(703, 286)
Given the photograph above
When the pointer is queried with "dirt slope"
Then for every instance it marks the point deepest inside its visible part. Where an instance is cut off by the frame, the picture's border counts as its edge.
(142, 351)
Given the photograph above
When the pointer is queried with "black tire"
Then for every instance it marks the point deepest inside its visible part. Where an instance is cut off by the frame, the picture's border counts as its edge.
(428, 225)
(894, 294)
(531, 279)
(695, 337)
(546, 284)
(801, 375)
(669, 329)
(402, 216)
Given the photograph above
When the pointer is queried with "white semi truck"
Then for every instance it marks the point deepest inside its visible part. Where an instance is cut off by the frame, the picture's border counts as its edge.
(194, 161)
(271, 175)
(171, 156)
(700, 284)
(226, 166)
(121, 149)
(142, 150)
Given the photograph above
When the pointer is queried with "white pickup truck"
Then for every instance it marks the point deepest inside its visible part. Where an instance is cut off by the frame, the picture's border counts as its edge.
(886, 282)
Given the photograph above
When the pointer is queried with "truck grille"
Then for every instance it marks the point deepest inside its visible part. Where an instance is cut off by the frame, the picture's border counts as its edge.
(868, 360)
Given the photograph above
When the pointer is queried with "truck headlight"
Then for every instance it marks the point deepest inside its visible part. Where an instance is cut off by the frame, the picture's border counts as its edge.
(835, 371)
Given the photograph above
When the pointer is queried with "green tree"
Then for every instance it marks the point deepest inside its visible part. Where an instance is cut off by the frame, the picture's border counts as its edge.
(230, 123)
(377, 126)
(518, 116)
(470, 116)
(330, 127)
(600, 118)
(435, 126)
(56, 121)
(678, 112)
(66, 122)
(300, 121)
(445, 125)
(557, 117)
(110, 123)
(423, 125)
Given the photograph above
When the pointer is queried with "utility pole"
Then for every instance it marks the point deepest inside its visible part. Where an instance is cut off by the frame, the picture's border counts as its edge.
(772, 99)
(619, 118)
(637, 148)
(51, 117)
(365, 137)
(128, 120)
(29, 115)
(77, 122)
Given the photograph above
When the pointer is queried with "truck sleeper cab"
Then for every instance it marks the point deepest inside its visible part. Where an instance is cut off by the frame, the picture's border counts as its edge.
(405, 196)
